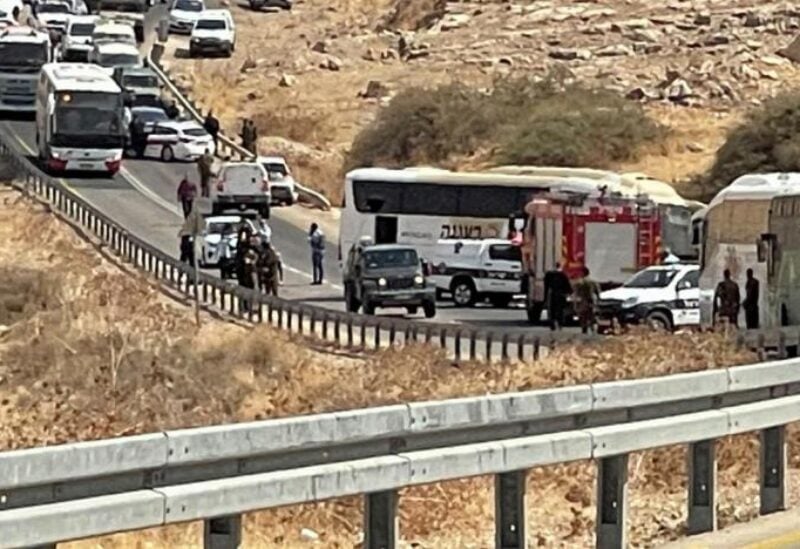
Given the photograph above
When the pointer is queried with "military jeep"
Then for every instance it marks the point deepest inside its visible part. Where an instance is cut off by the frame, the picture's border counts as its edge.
(387, 275)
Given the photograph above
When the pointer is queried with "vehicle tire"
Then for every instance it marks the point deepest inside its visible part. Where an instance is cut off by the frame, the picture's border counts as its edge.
(430, 309)
(412, 309)
(501, 301)
(369, 308)
(228, 51)
(215, 209)
(535, 313)
(264, 211)
(167, 154)
(659, 321)
(464, 293)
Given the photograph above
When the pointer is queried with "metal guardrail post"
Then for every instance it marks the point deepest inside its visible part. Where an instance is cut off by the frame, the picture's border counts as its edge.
(509, 510)
(773, 470)
(612, 502)
(222, 533)
(380, 520)
(702, 487)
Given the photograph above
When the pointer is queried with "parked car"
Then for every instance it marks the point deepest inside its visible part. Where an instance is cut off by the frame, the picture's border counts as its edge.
(183, 14)
(130, 12)
(281, 183)
(54, 15)
(213, 32)
(225, 228)
(113, 55)
(181, 140)
(150, 115)
(242, 186)
(77, 40)
(664, 296)
(387, 275)
(112, 32)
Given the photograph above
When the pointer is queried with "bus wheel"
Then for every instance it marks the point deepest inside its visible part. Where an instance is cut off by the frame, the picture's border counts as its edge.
(463, 291)
(167, 155)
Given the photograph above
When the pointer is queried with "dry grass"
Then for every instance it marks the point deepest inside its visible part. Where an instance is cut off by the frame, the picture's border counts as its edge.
(96, 353)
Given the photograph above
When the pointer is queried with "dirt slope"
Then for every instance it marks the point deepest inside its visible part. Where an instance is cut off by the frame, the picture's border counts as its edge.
(305, 75)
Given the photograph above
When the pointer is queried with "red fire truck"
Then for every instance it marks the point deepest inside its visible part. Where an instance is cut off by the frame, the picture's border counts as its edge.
(614, 237)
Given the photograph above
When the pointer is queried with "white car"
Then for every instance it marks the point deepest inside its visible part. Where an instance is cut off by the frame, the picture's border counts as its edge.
(106, 32)
(183, 14)
(150, 115)
(225, 228)
(214, 32)
(281, 183)
(54, 15)
(111, 55)
(178, 140)
(77, 41)
(242, 186)
(663, 296)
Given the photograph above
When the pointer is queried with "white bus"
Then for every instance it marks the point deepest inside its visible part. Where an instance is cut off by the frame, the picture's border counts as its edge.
(421, 206)
(23, 52)
(731, 227)
(79, 119)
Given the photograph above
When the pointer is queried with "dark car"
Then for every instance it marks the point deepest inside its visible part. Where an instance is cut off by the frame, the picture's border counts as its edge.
(387, 275)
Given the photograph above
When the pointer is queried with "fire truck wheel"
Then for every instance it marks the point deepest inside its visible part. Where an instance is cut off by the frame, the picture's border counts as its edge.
(659, 321)
(463, 290)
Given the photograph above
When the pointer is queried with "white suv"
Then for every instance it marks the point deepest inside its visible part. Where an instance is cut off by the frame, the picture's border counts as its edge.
(281, 183)
(77, 41)
(213, 32)
(242, 186)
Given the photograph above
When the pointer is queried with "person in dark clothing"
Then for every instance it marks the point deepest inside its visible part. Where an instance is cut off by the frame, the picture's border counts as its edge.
(187, 248)
(269, 269)
(726, 298)
(211, 125)
(586, 295)
(242, 244)
(205, 166)
(248, 270)
(187, 191)
(750, 303)
(249, 135)
(171, 110)
(138, 136)
(556, 289)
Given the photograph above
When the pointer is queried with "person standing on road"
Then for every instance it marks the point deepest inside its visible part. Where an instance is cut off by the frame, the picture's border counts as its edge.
(186, 247)
(586, 295)
(727, 299)
(171, 110)
(268, 269)
(205, 165)
(750, 303)
(247, 273)
(317, 241)
(187, 191)
(211, 125)
(249, 135)
(556, 289)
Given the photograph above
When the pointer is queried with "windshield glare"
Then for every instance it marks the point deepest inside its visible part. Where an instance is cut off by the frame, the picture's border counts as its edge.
(390, 258)
(150, 116)
(22, 54)
(140, 81)
(195, 132)
(657, 278)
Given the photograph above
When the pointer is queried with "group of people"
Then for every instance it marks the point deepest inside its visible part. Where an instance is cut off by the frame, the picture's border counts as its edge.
(558, 288)
(257, 263)
(727, 300)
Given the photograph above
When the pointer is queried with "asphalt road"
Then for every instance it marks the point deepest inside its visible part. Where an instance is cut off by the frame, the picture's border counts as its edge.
(142, 198)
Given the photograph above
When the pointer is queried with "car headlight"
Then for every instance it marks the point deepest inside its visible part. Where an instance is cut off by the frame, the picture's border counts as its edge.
(630, 302)
(419, 280)
(382, 282)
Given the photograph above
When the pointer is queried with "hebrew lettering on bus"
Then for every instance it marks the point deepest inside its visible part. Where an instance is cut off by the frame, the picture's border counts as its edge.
(468, 231)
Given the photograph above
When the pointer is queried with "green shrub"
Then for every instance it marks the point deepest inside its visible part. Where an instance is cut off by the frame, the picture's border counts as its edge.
(768, 140)
(521, 120)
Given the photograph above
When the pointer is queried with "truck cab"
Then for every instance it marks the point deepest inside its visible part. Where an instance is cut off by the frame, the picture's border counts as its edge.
(387, 275)
(23, 52)
(474, 270)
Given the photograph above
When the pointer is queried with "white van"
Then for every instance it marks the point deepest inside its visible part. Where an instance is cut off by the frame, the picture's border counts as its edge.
(242, 186)
(474, 270)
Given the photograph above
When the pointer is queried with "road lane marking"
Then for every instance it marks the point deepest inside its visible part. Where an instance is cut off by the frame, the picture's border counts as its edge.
(784, 541)
(31, 152)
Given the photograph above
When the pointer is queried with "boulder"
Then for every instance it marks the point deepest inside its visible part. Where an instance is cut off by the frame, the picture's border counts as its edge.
(614, 50)
(287, 81)
(792, 51)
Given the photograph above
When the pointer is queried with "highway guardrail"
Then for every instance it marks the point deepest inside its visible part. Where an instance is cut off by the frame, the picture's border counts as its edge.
(228, 148)
(59, 493)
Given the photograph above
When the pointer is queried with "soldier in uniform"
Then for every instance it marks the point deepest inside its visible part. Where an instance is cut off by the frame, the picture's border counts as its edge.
(586, 295)
(269, 269)
(248, 270)
(727, 299)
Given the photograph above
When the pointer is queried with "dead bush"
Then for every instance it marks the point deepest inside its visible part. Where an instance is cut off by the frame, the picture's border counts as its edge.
(520, 120)
(766, 141)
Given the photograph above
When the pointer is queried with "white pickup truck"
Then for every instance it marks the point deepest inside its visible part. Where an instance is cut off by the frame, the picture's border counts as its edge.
(476, 270)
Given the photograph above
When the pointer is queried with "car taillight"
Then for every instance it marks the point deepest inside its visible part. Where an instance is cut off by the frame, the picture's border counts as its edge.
(113, 166)
(221, 185)
(57, 164)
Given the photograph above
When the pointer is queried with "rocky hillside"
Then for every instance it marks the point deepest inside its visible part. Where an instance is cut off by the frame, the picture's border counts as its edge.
(314, 76)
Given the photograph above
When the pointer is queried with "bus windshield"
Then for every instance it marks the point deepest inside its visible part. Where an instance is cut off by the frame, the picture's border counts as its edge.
(23, 54)
(87, 119)
(382, 259)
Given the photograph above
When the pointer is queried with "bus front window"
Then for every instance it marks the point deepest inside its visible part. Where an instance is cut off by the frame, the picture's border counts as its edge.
(86, 119)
